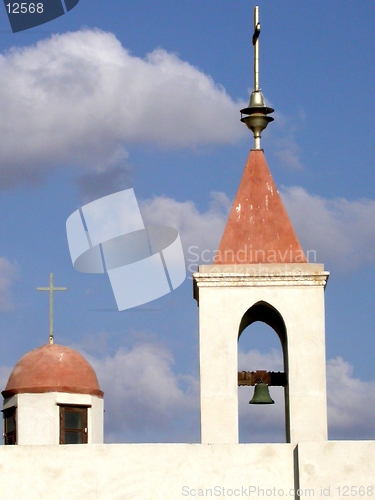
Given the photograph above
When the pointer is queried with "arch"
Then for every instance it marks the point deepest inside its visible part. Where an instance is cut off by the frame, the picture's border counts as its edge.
(264, 312)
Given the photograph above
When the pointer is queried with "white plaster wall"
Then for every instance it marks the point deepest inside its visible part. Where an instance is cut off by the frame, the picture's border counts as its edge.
(37, 419)
(225, 293)
(143, 471)
(218, 330)
(38, 416)
(333, 469)
(96, 421)
(338, 469)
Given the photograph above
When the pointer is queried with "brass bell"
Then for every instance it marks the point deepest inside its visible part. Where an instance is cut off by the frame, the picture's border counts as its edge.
(261, 395)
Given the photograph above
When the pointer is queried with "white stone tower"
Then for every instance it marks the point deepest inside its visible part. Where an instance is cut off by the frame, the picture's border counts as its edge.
(260, 273)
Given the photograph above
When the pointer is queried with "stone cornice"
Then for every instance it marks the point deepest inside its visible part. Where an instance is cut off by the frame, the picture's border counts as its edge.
(254, 275)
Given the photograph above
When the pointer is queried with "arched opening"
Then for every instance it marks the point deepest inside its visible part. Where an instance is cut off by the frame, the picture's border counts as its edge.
(260, 349)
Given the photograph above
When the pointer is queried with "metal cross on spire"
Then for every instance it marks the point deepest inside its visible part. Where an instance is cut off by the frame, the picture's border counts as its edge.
(51, 289)
(256, 48)
(257, 111)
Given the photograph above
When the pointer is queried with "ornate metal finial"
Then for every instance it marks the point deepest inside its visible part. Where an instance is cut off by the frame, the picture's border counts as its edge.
(257, 110)
(51, 289)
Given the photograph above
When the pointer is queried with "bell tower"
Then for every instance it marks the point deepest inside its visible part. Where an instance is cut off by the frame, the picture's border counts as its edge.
(260, 273)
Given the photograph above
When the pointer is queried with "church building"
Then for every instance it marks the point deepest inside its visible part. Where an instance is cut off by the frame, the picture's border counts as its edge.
(53, 405)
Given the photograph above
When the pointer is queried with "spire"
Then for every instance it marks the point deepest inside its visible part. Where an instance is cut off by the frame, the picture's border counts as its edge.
(258, 228)
(257, 110)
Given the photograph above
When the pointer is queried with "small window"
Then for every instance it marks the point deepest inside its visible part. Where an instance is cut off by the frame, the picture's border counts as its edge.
(10, 429)
(73, 425)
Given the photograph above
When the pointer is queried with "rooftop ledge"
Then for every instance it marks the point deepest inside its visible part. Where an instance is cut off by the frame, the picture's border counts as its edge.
(232, 275)
(260, 269)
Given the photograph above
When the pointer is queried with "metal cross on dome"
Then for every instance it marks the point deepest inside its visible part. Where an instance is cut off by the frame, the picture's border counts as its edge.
(51, 289)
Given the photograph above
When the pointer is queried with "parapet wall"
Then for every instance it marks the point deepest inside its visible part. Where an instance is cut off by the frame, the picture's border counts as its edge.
(177, 471)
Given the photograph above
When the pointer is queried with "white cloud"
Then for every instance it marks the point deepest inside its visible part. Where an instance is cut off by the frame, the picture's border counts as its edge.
(8, 274)
(200, 232)
(255, 360)
(102, 180)
(338, 232)
(145, 399)
(346, 395)
(342, 232)
(289, 153)
(76, 97)
(284, 141)
(282, 138)
(351, 403)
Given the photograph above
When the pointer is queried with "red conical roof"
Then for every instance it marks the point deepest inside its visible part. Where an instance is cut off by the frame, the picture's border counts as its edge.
(52, 368)
(258, 228)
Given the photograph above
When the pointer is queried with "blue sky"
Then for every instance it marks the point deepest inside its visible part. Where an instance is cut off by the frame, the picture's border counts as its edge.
(147, 95)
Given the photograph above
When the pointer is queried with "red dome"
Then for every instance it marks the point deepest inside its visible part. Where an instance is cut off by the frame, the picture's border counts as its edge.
(52, 368)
